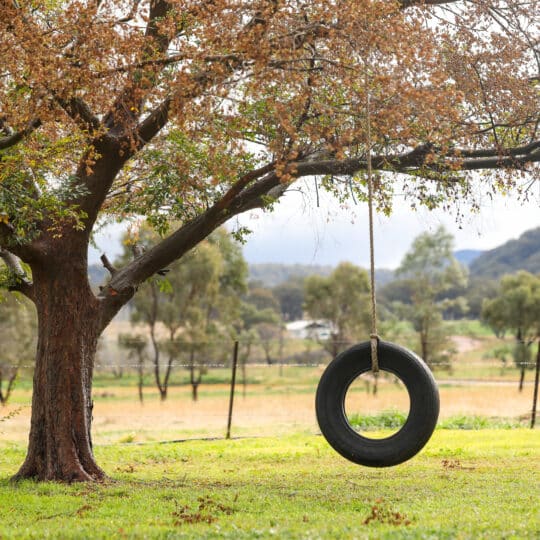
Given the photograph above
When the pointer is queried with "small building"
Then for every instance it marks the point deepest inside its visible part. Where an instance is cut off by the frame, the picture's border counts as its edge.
(309, 329)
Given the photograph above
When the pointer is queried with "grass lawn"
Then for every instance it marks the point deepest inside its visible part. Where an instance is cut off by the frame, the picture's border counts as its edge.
(465, 484)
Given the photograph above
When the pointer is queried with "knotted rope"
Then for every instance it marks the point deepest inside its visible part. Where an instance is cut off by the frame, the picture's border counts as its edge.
(374, 337)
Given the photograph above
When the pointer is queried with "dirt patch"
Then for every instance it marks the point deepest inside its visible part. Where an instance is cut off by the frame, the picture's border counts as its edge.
(263, 412)
(465, 344)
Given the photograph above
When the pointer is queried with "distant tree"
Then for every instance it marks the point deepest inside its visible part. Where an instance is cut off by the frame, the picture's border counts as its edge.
(262, 298)
(342, 299)
(290, 295)
(135, 344)
(478, 289)
(194, 305)
(250, 330)
(516, 309)
(397, 290)
(183, 307)
(269, 334)
(17, 336)
(429, 271)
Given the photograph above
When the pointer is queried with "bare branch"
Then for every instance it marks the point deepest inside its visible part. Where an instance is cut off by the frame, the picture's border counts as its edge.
(154, 261)
(108, 265)
(252, 190)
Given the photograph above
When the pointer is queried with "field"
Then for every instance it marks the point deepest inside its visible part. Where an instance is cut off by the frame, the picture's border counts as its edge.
(464, 485)
(172, 475)
(279, 400)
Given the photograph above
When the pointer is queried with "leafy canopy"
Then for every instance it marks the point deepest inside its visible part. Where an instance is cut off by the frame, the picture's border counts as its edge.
(198, 95)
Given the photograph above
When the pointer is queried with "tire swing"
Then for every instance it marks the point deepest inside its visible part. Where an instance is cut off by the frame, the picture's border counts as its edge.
(372, 356)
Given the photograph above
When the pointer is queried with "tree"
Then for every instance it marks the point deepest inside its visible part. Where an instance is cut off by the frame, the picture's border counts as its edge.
(262, 298)
(135, 344)
(342, 299)
(430, 271)
(516, 309)
(204, 286)
(478, 289)
(291, 298)
(197, 111)
(17, 336)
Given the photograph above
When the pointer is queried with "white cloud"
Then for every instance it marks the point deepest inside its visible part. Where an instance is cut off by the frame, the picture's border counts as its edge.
(298, 231)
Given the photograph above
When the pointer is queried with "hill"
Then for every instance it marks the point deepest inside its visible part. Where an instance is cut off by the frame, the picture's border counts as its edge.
(467, 256)
(272, 274)
(514, 255)
(97, 275)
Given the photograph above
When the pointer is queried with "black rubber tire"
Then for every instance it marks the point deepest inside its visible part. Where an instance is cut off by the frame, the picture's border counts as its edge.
(423, 413)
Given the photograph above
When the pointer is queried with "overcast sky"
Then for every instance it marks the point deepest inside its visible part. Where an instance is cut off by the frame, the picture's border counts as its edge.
(298, 231)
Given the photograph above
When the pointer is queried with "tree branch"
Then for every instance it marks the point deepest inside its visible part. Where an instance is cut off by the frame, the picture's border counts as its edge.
(108, 265)
(6, 234)
(20, 283)
(457, 159)
(236, 200)
(410, 3)
(251, 191)
(79, 111)
(13, 139)
(153, 123)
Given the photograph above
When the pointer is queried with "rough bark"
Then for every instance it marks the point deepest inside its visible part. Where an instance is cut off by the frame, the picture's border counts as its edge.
(60, 444)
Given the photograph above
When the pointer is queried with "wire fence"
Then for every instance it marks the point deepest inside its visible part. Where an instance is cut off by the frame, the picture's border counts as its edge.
(274, 392)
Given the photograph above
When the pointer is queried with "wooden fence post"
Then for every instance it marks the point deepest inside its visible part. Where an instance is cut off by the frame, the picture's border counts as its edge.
(233, 383)
(536, 377)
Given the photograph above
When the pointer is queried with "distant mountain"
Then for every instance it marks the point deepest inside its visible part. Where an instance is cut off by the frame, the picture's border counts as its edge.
(384, 276)
(467, 256)
(96, 275)
(514, 255)
(272, 274)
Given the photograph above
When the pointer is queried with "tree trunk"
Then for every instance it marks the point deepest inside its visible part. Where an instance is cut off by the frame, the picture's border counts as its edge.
(60, 445)
(521, 378)
(140, 369)
(2, 399)
(195, 391)
(424, 344)
(4, 396)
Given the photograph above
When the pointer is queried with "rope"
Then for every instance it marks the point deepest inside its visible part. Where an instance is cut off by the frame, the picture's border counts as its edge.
(374, 337)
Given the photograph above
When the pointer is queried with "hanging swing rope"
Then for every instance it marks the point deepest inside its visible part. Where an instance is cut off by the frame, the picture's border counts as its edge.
(374, 337)
(350, 364)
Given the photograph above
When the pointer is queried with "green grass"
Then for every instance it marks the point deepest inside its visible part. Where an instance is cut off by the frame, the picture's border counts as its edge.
(384, 420)
(468, 327)
(394, 419)
(464, 485)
